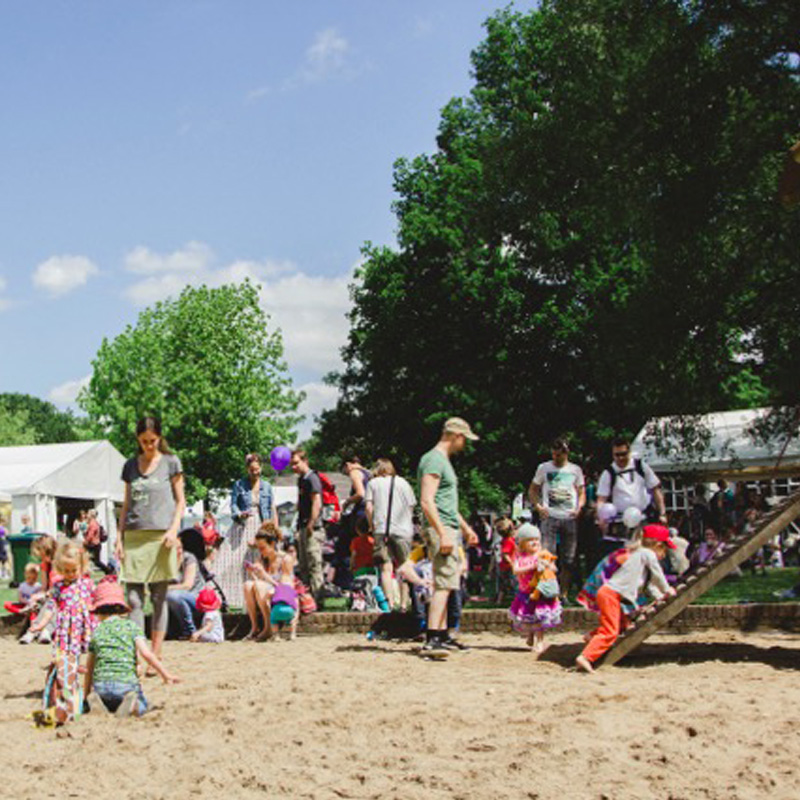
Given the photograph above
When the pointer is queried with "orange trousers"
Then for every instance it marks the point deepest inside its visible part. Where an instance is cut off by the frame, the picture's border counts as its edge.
(612, 621)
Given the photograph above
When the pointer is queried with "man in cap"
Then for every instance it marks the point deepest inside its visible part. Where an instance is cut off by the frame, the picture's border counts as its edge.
(443, 531)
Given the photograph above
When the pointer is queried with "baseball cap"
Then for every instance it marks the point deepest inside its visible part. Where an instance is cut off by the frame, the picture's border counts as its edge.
(660, 533)
(458, 425)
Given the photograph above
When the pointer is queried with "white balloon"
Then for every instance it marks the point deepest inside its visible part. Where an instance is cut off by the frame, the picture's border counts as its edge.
(607, 512)
(632, 517)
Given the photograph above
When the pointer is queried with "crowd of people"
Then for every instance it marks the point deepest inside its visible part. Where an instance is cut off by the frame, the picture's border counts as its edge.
(414, 559)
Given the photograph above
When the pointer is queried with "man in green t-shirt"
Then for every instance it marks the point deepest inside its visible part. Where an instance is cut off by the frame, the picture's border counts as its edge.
(443, 532)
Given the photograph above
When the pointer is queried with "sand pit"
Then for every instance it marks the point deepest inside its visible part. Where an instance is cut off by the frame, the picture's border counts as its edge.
(712, 716)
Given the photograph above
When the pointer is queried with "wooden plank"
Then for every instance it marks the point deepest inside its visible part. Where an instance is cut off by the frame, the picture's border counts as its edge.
(743, 547)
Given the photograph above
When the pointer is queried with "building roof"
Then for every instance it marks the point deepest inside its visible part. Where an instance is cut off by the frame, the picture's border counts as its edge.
(85, 470)
(732, 450)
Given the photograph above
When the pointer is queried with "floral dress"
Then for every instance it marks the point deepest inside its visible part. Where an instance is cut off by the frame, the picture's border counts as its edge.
(75, 622)
(528, 615)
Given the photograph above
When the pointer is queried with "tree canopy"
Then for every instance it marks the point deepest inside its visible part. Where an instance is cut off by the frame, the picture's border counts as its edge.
(595, 241)
(208, 365)
(46, 424)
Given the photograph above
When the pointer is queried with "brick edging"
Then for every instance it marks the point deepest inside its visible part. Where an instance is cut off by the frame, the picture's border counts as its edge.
(743, 617)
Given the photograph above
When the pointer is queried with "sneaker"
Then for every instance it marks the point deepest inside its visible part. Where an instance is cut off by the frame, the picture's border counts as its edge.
(453, 644)
(45, 637)
(27, 638)
(433, 651)
(129, 705)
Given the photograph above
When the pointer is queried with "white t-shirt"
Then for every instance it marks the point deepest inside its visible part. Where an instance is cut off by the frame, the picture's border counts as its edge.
(560, 488)
(630, 488)
(402, 523)
(217, 633)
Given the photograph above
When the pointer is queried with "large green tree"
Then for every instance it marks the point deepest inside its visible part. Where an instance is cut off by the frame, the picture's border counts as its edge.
(209, 366)
(47, 423)
(592, 241)
(15, 428)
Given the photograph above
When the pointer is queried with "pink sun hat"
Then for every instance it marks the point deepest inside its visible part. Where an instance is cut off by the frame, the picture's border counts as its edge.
(108, 593)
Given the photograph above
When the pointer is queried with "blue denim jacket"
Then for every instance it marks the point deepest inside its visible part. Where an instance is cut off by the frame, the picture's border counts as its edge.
(242, 498)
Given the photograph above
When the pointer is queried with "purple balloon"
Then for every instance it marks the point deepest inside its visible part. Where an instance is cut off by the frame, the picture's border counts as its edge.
(280, 458)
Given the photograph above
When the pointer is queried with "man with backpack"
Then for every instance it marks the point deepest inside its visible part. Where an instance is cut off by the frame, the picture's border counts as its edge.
(628, 482)
(310, 531)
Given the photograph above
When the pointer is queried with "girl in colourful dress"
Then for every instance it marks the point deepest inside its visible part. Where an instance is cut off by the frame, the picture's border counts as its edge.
(535, 609)
(69, 602)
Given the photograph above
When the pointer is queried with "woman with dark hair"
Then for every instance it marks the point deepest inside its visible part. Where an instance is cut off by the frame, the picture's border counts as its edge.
(252, 503)
(148, 526)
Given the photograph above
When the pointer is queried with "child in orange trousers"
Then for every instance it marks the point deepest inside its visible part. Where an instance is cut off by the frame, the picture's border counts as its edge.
(640, 570)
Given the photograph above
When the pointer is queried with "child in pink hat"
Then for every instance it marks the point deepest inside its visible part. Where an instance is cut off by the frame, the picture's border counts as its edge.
(212, 629)
(114, 650)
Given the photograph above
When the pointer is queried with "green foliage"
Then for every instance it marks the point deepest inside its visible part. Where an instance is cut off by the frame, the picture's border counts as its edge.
(207, 364)
(48, 424)
(593, 242)
(15, 427)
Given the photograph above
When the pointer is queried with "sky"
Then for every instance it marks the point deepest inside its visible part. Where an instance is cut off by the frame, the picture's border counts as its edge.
(146, 146)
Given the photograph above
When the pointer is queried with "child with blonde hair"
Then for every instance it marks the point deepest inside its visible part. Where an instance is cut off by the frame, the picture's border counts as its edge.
(536, 607)
(69, 602)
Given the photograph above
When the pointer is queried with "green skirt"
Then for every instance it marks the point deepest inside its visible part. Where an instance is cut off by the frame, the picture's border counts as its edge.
(147, 559)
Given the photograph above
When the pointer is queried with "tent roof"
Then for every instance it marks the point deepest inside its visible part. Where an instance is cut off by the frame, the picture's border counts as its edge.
(86, 470)
(731, 450)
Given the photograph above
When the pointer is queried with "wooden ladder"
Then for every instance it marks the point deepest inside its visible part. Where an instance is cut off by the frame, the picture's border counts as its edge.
(699, 581)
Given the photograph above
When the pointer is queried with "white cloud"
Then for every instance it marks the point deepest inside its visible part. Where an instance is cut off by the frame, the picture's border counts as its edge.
(66, 393)
(256, 94)
(191, 257)
(61, 274)
(4, 301)
(319, 397)
(309, 310)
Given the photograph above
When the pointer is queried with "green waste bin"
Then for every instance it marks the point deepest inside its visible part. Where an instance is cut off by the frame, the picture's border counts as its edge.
(21, 553)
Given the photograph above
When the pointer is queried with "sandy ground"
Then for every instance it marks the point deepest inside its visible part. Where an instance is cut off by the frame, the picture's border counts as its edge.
(712, 716)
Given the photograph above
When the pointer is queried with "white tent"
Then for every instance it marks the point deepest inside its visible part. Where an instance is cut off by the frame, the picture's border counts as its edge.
(36, 475)
(732, 451)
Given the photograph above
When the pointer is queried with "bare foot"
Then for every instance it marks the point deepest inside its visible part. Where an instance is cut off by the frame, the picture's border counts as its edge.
(583, 664)
(252, 635)
(544, 647)
(264, 636)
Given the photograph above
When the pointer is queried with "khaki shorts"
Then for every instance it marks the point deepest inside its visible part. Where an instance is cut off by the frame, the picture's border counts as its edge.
(393, 548)
(446, 568)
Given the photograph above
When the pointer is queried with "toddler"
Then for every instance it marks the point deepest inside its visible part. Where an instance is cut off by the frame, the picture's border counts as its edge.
(362, 549)
(536, 607)
(211, 629)
(508, 549)
(111, 668)
(69, 603)
(639, 571)
(284, 603)
(27, 592)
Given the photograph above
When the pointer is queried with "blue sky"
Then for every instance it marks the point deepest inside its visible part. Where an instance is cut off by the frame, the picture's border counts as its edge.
(150, 145)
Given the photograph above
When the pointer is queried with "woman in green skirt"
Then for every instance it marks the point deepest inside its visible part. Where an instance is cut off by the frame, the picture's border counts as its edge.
(149, 523)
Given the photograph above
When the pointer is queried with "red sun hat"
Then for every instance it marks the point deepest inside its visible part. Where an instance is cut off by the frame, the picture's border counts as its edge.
(207, 600)
(660, 533)
(108, 593)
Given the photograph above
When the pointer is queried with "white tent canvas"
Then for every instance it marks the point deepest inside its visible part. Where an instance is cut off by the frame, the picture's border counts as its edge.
(36, 475)
(731, 450)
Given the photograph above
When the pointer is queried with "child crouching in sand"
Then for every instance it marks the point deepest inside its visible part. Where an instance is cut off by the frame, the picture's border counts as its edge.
(536, 608)
(117, 641)
(640, 571)
(211, 630)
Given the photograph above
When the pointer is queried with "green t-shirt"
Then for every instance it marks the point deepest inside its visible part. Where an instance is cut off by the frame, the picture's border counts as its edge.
(434, 462)
(114, 647)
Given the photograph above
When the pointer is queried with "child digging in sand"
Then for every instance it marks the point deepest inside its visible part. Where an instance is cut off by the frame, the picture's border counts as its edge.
(640, 571)
(113, 651)
(535, 608)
